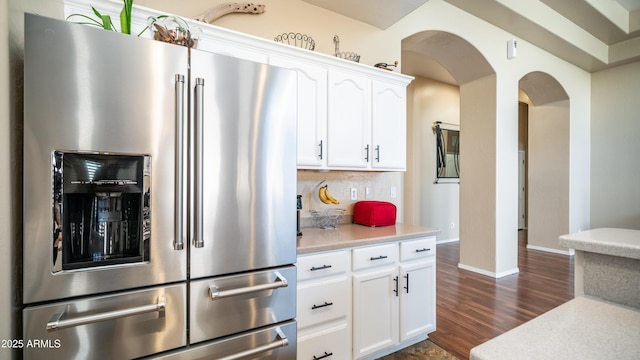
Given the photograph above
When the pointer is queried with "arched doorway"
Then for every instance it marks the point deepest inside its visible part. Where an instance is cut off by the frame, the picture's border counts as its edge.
(548, 160)
(486, 244)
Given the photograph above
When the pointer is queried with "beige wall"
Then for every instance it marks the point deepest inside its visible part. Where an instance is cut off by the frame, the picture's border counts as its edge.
(478, 174)
(426, 203)
(548, 156)
(615, 147)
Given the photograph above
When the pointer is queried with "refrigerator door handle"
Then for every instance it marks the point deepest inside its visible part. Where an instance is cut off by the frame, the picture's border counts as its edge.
(57, 323)
(280, 341)
(216, 294)
(197, 186)
(179, 215)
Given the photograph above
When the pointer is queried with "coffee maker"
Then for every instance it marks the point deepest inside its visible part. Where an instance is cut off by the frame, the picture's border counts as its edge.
(101, 210)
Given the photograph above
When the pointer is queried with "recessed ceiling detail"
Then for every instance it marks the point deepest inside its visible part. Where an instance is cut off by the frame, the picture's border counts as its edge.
(379, 13)
(610, 29)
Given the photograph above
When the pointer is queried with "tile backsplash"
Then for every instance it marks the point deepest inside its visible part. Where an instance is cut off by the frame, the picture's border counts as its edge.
(381, 187)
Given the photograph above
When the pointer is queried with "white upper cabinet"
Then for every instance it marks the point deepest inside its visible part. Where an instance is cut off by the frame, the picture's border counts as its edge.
(312, 111)
(349, 121)
(351, 116)
(389, 126)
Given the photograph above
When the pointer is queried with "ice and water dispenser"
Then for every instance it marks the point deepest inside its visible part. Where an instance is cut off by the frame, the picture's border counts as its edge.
(101, 209)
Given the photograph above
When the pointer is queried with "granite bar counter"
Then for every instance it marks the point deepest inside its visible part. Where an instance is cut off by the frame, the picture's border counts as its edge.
(584, 328)
(351, 235)
(607, 264)
(601, 322)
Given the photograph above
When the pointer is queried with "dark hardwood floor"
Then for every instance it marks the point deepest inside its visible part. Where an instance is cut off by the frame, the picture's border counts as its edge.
(473, 308)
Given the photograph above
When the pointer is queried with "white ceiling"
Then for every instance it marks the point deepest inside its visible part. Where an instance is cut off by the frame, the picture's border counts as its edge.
(610, 28)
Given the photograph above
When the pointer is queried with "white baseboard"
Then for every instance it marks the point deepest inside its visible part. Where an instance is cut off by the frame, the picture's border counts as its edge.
(568, 252)
(489, 273)
(445, 241)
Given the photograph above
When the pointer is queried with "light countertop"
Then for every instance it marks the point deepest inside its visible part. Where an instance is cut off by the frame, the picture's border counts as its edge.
(584, 328)
(607, 241)
(351, 235)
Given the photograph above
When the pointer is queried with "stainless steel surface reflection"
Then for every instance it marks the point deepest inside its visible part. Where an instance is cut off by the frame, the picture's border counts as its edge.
(174, 203)
(66, 111)
(213, 317)
(83, 329)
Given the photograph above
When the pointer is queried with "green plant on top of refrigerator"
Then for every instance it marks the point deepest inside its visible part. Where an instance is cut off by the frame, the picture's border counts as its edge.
(105, 22)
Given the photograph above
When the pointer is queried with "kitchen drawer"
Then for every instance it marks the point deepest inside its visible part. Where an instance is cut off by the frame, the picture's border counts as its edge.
(372, 256)
(324, 264)
(330, 344)
(229, 304)
(417, 249)
(121, 326)
(322, 301)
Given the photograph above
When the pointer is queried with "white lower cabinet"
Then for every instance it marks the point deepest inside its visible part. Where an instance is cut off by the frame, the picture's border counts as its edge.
(417, 299)
(324, 306)
(375, 311)
(366, 302)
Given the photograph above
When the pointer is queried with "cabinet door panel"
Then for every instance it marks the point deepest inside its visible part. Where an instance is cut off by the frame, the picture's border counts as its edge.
(374, 311)
(349, 120)
(417, 299)
(312, 111)
(389, 124)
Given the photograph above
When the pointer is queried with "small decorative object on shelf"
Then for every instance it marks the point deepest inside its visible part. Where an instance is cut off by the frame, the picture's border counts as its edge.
(386, 66)
(348, 55)
(296, 39)
(173, 30)
(223, 9)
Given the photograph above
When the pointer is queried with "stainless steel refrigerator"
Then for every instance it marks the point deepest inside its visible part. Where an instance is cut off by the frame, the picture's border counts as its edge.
(159, 199)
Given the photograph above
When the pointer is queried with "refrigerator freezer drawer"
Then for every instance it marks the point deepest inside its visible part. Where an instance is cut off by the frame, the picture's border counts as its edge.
(120, 326)
(232, 304)
(276, 342)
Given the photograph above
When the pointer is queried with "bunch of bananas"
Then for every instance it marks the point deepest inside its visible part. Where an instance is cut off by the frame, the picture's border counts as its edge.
(325, 196)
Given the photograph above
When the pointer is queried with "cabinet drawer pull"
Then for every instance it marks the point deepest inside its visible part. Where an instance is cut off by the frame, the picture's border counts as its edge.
(407, 287)
(321, 306)
(379, 257)
(422, 250)
(395, 286)
(320, 267)
(326, 355)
